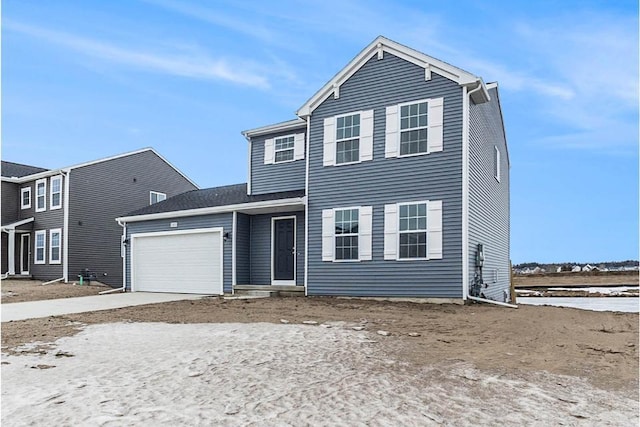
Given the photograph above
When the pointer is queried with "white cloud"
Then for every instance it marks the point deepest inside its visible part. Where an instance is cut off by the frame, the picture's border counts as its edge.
(184, 62)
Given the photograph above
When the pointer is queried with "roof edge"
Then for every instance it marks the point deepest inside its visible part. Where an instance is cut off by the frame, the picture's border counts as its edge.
(276, 127)
(379, 46)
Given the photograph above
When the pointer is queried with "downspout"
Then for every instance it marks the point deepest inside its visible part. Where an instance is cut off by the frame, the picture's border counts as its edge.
(490, 301)
(65, 235)
(306, 209)
(124, 262)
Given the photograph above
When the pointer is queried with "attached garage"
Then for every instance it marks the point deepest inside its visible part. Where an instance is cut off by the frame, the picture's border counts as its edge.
(184, 261)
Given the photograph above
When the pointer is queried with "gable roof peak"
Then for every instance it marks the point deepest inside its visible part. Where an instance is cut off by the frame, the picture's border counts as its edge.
(378, 47)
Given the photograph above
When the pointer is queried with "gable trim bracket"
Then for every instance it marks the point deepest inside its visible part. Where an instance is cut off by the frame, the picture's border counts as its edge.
(378, 47)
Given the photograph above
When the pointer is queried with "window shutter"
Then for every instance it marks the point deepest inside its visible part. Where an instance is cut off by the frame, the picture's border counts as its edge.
(269, 151)
(391, 132)
(364, 233)
(497, 166)
(391, 231)
(329, 142)
(434, 229)
(435, 118)
(328, 233)
(366, 135)
(298, 146)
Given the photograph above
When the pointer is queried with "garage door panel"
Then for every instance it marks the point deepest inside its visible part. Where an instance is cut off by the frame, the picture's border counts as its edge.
(178, 262)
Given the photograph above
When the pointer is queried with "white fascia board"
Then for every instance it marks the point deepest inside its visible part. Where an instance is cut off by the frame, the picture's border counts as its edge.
(292, 202)
(52, 172)
(382, 44)
(13, 225)
(278, 127)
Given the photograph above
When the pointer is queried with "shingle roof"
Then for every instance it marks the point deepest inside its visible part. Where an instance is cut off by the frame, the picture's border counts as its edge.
(10, 169)
(212, 197)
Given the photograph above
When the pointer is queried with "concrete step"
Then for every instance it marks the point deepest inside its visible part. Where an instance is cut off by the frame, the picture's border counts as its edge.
(269, 291)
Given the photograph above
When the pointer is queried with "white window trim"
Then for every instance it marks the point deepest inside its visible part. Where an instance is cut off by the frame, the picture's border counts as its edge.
(44, 247)
(276, 151)
(497, 163)
(426, 232)
(22, 191)
(350, 234)
(336, 140)
(400, 130)
(44, 195)
(157, 193)
(51, 233)
(51, 193)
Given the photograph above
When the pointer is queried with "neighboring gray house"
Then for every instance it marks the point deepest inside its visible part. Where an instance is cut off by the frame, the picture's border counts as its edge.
(55, 223)
(387, 183)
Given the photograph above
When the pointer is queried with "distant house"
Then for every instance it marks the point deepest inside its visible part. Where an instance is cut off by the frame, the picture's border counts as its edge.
(58, 222)
(392, 181)
(576, 268)
(590, 267)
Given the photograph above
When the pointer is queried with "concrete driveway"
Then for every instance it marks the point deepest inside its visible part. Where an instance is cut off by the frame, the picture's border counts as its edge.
(57, 307)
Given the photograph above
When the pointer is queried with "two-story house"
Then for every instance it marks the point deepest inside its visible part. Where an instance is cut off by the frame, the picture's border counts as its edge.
(393, 181)
(56, 223)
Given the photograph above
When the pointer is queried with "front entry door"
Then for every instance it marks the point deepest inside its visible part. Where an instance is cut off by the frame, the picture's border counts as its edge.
(25, 253)
(283, 254)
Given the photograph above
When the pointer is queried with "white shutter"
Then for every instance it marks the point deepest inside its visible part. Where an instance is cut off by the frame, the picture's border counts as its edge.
(366, 135)
(298, 146)
(364, 233)
(269, 151)
(328, 233)
(329, 142)
(435, 118)
(434, 229)
(391, 231)
(391, 132)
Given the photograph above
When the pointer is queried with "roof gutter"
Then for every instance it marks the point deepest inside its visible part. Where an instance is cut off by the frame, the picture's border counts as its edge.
(294, 201)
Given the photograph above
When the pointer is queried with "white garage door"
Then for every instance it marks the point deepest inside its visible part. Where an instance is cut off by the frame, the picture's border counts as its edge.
(187, 261)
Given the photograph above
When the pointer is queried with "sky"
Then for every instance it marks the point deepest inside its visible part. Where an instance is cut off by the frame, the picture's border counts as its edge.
(88, 79)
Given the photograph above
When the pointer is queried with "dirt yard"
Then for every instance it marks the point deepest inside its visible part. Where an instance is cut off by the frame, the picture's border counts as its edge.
(32, 290)
(601, 347)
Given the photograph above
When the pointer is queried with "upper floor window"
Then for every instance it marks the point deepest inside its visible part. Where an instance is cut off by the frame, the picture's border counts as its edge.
(41, 243)
(56, 192)
(25, 198)
(54, 246)
(496, 167)
(284, 149)
(414, 128)
(348, 138)
(155, 197)
(41, 195)
(346, 234)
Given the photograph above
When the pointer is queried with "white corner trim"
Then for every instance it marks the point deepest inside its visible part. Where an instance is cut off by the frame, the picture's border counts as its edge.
(249, 167)
(65, 226)
(465, 193)
(234, 229)
(306, 209)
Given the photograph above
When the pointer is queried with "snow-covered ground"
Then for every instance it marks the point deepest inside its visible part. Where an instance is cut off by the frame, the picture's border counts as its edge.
(137, 374)
(623, 304)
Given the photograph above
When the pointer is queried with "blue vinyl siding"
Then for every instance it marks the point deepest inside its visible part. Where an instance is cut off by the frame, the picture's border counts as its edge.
(188, 223)
(273, 178)
(243, 249)
(261, 248)
(488, 198)
(436, 176)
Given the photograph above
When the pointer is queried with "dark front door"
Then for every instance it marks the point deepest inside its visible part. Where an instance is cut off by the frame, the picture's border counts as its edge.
(284, 249)
(25, 253)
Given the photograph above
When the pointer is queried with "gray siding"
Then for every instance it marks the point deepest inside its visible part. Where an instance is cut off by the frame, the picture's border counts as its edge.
(274, 178)
(489, 199)
(243, 249)
(436, 176)
(261, 248)
(188, 223)
(10, 202)
(103, 191)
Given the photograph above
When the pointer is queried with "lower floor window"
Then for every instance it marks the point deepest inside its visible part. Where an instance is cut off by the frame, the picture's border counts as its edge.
(346, 233)
(54, 248)
(347, 151)
(413, 230)
(41, 241)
